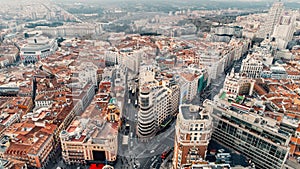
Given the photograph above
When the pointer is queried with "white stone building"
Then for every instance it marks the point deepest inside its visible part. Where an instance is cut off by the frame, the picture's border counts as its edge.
(267, 27)
(252, 66)
(284, 30)
(238, 85)
(158, 101)
(37, 48)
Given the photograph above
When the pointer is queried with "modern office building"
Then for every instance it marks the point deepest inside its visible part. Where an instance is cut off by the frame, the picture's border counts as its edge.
(192, 135)
(258, 138)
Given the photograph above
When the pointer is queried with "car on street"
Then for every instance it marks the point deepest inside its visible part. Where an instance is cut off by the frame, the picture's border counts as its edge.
(127, 129)
(153, 165)
(166, 153)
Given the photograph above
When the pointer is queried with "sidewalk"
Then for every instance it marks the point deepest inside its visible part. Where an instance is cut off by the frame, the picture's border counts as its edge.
(292, 163)
(167, 165)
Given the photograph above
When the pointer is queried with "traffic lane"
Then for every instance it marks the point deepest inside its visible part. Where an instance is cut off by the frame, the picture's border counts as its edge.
(130, 111)
(160, 145)
(131, 119)
(145, 163)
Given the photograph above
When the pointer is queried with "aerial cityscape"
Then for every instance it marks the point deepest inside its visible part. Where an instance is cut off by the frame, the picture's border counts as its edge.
(161, 84)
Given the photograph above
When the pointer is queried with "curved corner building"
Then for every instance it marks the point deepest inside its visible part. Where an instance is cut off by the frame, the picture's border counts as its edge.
(154, 109)
(146, 118)
(158, 101)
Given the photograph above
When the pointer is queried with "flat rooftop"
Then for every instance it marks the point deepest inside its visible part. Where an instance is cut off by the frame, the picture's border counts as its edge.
(193, 112)
(188, 114)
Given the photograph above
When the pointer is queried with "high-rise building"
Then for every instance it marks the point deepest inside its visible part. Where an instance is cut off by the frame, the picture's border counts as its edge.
(192, 135)
(158, 102)
(284, 30)
(154, 109)
(267, 28)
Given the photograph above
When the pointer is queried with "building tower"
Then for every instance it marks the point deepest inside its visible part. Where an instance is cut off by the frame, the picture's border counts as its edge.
(158, 102)
(284, 30)
(146, 118)
(274, 14)
(192, 135)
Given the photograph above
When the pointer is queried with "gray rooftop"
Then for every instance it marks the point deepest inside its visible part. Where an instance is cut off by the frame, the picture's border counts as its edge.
(190, 115)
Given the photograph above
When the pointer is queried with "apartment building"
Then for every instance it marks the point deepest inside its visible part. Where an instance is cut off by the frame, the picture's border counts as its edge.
(192, 81)
(72, 29)
(192, 135)
(86, 72)
(30, 143)
(174, 99)
(12, 164)
(9, 53)
(83, 92)
(130, 58)
(189, 85)
(158, 101)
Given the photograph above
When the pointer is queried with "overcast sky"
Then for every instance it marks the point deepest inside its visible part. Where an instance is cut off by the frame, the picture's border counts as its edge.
(111, 1)
(175, 0)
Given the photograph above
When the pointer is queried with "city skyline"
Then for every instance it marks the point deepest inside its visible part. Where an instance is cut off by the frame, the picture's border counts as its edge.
(129, 84)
